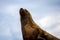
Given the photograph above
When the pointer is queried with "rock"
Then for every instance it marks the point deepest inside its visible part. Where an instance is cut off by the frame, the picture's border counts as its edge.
(30, 30)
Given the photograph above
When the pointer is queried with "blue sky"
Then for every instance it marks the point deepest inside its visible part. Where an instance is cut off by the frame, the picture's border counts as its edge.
(46, 13)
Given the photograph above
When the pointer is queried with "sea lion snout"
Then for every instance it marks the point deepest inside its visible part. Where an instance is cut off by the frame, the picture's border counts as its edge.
(21, 11)
(24, 13)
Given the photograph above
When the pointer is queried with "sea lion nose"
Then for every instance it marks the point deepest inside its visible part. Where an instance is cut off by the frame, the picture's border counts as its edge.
(20, 11)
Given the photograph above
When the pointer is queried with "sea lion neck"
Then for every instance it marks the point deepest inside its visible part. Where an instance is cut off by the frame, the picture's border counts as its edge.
(25, 17)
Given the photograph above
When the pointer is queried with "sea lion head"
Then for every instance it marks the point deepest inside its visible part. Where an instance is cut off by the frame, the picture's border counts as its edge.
(24, 13)
(25, 16)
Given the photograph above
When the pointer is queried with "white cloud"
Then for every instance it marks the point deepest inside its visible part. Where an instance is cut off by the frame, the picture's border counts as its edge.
(46, 21)
(56, 30)
(10, 9)
(10, 22)
(50, 23)
(5, 31)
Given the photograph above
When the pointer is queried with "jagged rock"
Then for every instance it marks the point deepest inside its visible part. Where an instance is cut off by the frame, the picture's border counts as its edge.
(30, 30)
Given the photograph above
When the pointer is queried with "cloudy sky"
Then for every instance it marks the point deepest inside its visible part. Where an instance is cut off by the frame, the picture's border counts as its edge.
(46, 13)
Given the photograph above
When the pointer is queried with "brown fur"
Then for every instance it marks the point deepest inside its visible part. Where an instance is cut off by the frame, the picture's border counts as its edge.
(30, 30)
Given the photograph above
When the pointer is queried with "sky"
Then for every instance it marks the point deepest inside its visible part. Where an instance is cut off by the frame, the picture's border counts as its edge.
(46, 14)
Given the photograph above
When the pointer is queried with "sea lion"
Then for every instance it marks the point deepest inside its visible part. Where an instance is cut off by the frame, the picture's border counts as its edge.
(30, 30)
